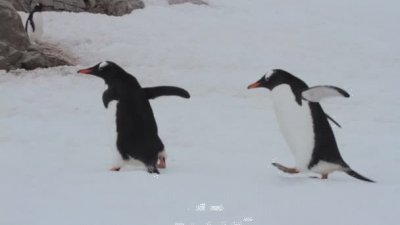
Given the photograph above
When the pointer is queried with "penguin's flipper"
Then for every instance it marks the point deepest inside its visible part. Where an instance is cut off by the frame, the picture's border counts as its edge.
(333, 121)
(32, 24)
(154, 92)
(108, 96)
(317, 93)
(26, 24)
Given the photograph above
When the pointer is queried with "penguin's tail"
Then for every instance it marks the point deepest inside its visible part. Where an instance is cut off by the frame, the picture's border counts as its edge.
(354, 174)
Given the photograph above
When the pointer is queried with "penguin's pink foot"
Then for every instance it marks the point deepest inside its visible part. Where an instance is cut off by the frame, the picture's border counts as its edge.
(162, 163)
(115, 169)
(285, 169)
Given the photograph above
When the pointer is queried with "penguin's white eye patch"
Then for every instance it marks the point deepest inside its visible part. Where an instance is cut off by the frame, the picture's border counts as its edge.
(102, 65)
(267, 75)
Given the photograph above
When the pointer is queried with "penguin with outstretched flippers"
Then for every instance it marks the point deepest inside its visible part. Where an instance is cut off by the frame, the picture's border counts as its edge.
(137, 132)
(304, 124)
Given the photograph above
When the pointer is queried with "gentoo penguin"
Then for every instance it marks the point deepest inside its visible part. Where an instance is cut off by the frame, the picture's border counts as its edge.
(34, 23)
(137, 134)
(305, 125)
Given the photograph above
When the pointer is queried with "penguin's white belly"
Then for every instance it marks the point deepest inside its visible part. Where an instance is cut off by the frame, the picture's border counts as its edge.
(323, 167)
(112, 127)
(296, 124)
(36, 36)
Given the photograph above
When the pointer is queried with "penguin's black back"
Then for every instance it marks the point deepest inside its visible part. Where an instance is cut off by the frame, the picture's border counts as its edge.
(136, 126)
(325, 146)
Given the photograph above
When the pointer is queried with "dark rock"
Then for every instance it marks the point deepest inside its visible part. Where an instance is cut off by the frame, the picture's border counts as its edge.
(114, 7)
(20, 5)
(109, 7)
(15, 48)
(35, 60)
(12, 30)
(13, 38)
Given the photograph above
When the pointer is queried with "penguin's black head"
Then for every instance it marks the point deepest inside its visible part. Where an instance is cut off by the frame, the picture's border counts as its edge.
(106, 70)
(276, 78)
(38, 7)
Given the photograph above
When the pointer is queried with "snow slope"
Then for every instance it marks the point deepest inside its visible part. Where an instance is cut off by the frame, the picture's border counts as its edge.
(57, 141)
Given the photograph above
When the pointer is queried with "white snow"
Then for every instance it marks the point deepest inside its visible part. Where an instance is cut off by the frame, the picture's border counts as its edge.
(57, 146)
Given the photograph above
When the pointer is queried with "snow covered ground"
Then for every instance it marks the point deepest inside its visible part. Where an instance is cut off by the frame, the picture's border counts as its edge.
(57, 141)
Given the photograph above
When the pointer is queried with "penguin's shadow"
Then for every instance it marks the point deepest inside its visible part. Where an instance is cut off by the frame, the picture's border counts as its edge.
(282, 179)
(130, 168)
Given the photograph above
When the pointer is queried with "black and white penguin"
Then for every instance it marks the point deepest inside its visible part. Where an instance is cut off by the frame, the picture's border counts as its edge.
(305, 125)
(137, 133)
(34, 23)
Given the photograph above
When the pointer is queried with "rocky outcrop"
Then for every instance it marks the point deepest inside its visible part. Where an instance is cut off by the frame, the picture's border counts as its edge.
(109, 7)
(20, 5)
(13, 39)
(114, 7)
(11, 21)
(15, 48)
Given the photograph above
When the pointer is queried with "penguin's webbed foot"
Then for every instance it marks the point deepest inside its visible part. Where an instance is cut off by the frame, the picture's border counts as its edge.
(115, 169)
(285, 169)
(162, 163)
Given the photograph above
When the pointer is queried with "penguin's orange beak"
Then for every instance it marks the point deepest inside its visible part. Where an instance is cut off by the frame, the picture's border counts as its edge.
(254, 85)
(86, 71)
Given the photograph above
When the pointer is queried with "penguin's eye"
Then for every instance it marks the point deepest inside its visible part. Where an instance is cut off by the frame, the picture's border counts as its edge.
(266, 77)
